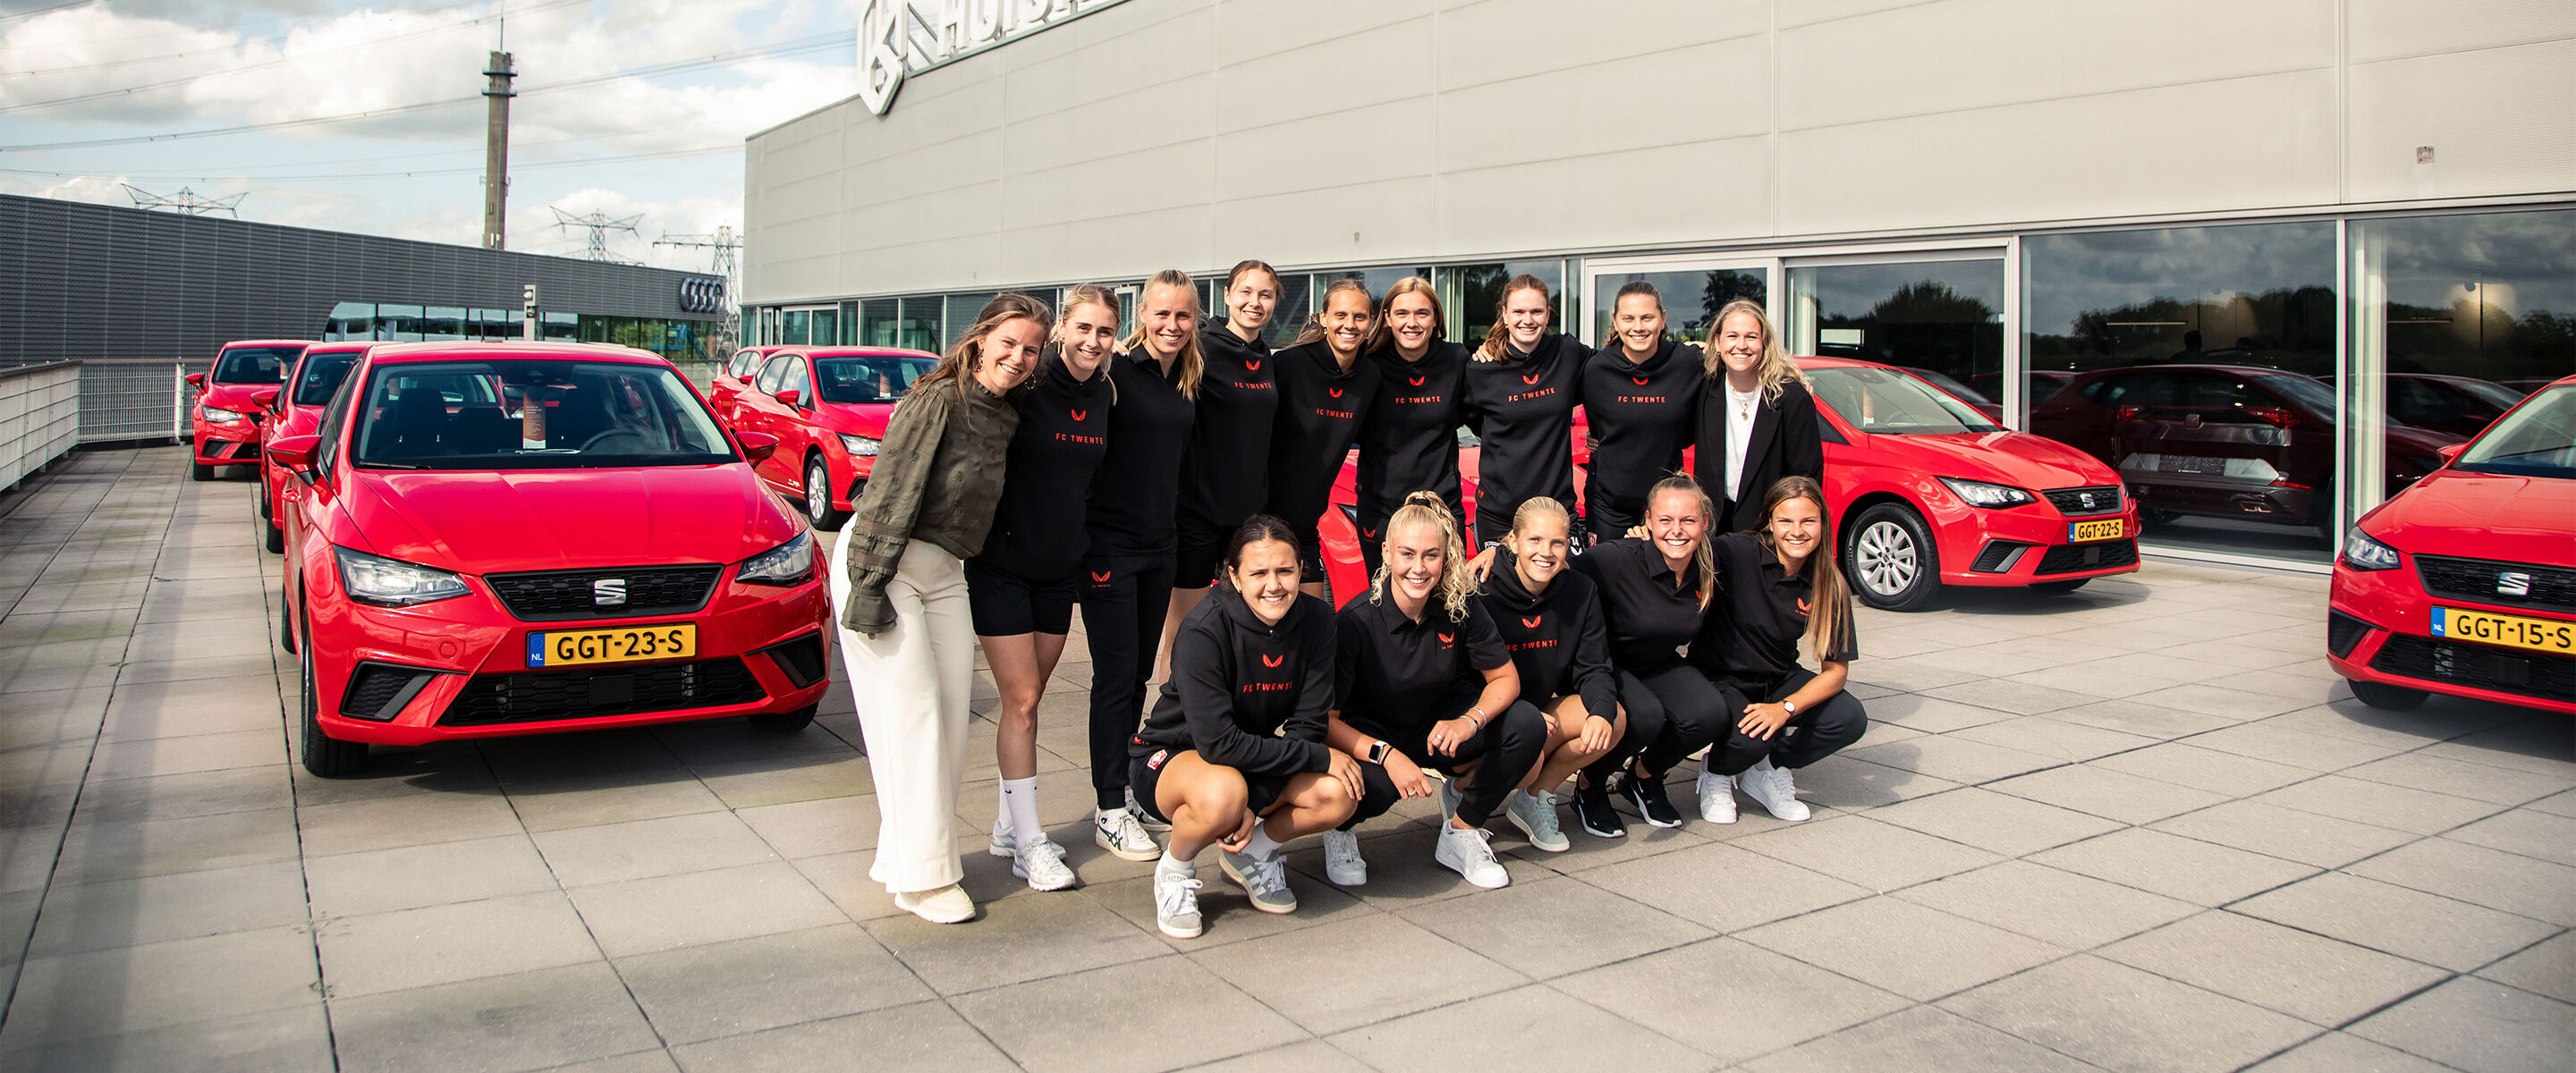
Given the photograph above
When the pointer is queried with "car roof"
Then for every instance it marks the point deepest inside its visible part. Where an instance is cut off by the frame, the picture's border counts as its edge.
(384, 353)
(267, 342)
(338, 345)
(861, 352)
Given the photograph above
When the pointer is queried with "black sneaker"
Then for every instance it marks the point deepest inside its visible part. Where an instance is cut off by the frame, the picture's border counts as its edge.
(1648, 796)
(1592, 810)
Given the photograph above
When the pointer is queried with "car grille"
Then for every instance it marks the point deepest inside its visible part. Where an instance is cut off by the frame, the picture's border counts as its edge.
(2070, 501)
(2552, 587)
(557, 595)
(593, 692)
(2525, 674)
(2077, 558)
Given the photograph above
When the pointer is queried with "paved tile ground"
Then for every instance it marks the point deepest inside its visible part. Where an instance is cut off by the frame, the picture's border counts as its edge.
(2138, 827)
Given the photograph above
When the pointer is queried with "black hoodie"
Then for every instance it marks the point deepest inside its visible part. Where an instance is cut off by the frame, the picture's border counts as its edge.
(1642, 415)
(1247, 695)
(1225, 476)
(1409, 437)
(1320, 410)
(1133, 493)
(1558, 643)
(1038, 529)
(1523, 408)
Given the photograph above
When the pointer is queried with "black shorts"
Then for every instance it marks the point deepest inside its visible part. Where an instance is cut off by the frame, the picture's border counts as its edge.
(1004, 604)
(1260, 791)
(1201, 555)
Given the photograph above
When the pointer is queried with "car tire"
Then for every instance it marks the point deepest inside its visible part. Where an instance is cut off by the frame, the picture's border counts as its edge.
(2059, 586)
(818, 497)
(275, 538)
(199, 471)
(285, 632)
(2385, 696)
(785, 722)
(1890, 559)
(324, 755)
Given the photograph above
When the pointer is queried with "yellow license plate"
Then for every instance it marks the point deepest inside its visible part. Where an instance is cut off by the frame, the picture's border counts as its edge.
(2508, 631)
(628, 644)
(2106, 529)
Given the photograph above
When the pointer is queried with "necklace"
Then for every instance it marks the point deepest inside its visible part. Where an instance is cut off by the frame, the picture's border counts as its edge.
(1745, 412)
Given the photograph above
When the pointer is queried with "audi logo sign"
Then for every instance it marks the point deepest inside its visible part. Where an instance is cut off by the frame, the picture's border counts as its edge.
(702, 295)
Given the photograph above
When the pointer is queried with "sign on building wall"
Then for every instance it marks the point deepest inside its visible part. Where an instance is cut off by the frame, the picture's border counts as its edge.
(901, 37)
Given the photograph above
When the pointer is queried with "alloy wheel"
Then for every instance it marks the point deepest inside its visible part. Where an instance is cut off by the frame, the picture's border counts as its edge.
(1886, 558)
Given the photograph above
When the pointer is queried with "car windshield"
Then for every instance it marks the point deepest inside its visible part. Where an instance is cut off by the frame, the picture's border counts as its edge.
(2492, 394)
(533, 415)
(254, 364)
(1945, 383)
(320, 375)
(869, 378)
(1886, 402)
(2307, 391)
(2538, 440)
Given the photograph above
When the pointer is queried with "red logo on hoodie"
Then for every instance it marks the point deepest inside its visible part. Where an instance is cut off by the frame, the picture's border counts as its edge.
(1414, 380)
(1640, 381)
(1252, 366)
(1101, 576)
(1078, 415)
(1334, 392)
(1529, 378)
(1273, 661)
(1448, 637)
(1532, 623)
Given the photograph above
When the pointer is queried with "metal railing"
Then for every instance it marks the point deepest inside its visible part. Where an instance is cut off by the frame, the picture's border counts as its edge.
(40, 410)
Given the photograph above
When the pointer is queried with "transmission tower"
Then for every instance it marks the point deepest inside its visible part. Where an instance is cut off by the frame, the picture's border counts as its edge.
(599, 224)
(725, 265)
(186, 202)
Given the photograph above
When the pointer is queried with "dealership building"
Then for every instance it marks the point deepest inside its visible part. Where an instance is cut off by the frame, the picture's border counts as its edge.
(2379, 195)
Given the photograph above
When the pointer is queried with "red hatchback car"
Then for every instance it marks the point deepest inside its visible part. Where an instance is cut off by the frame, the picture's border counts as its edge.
(2466, 583)
(296, 411)
(733, 378)
(827, 407)
(224, 424)
(523, 538)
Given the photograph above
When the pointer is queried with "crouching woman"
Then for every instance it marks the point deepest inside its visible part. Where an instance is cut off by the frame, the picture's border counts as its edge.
(1233, 754)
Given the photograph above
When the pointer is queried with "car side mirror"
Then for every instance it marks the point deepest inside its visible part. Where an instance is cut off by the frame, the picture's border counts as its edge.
(758, 446)
(197, 380)
(264, 398)
(787, 398)
(294, 452)
(2450, 453)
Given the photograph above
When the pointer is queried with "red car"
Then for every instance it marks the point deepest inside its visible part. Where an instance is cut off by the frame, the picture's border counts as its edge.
(827, 407)
(734, 377)
(499, 539)
(1925, 491)
(2465, 583)
(224, 424)
(295, 412)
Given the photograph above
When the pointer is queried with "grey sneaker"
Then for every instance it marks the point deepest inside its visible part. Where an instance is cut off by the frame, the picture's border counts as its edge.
(1265, 881)
(1176, 903)
(1535, 815)
(1343, 864)
(1463, 850)
(1118, 831)
(1144, 818)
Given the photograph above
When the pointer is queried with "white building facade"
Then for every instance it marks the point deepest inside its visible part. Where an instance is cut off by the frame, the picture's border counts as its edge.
(2379, 194)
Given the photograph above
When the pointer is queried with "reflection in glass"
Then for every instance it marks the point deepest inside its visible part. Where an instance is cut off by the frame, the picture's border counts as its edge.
(443, 323)
(795, 326)
(826, 328)
(961, 316)
(1944, 317)
(917, 328)
(398, 322)
(1470, 294)
(878, 319)
(2538, 440)
(1691, 299)
(867, 379)
(1884, 403)
(351, 320)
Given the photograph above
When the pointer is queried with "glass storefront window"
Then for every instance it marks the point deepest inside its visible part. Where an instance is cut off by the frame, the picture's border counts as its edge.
(1943, 318)
(559, 327)
(826, 329)
(443, 323)
(400, 323)
(877, 318)
(1691, 298)
(961, 309)
(1470, 294)
(917, 328)
(2188, 360)
(794, 326)
(350, 320)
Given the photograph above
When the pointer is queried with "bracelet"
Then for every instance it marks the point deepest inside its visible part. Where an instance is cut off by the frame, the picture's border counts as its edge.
(1479, 712)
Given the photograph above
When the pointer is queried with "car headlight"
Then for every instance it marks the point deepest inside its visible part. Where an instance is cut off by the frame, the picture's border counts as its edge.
(786, 564)
(2360, 552)
(219, 415)
(858, 445)
(374, 579)
(1982, 494)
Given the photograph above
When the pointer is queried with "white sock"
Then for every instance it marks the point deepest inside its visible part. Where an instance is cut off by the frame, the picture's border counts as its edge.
(1020, 803)
(1176, 865)
(1262, 847)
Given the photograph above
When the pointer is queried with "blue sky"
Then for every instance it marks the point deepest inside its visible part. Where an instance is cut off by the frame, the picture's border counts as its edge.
(636, 133)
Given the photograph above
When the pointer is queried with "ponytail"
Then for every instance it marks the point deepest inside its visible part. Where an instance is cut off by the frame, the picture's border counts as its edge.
(1456, 584)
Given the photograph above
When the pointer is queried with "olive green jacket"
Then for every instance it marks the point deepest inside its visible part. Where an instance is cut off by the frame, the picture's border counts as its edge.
(937, 478)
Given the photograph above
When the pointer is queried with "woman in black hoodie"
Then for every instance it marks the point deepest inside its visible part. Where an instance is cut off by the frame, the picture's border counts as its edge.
(1234, 753)
(1225, 474)
(1324, 394)
(1409, 436)
(1550, 619)
(1520, 400)
(1641, 399)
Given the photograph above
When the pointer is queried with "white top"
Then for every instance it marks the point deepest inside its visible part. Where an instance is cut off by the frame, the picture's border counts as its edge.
(1740, 406)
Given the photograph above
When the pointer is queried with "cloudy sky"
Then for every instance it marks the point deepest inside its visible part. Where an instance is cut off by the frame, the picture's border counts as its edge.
(630, 107)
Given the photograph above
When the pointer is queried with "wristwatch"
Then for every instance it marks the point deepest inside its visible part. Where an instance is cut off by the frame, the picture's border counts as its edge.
(1789, 706)
(1377, 751)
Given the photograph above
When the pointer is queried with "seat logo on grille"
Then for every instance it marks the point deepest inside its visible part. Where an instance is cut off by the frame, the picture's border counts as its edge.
(2513, 583)
(608, 592)
(2085, 498)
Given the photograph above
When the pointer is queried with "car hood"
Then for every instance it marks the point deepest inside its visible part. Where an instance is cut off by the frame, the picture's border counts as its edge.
(856, 418)
(2004, 457)
(486, 521)
(234, 397)
(2481, 516)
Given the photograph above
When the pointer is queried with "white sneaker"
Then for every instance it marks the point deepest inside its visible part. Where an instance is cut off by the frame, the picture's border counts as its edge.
(1463, 850)
(1716, 795)
(1006, 843)
(1342, 862)
(1176, 903)
(1042, 864)
(1535, 815)
(947, 905)
(1118, 831)
(1775, 790)
(1265, 881)
(1144, 818)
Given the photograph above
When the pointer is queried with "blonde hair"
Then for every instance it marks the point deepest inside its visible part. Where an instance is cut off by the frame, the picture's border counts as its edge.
(1314, 329)
(1383, 336)
(1705, 556)
(1497, 337)
(1088, 294)
(1456, 584)
(1539, 507)
(1191, 365)
(1776, 371)
(1829, 626)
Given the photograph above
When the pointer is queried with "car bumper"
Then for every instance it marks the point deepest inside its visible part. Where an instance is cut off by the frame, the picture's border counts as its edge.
(2031, 545)
(2225, 497)
(752, 655)
(2380, 630)
(233, 443)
